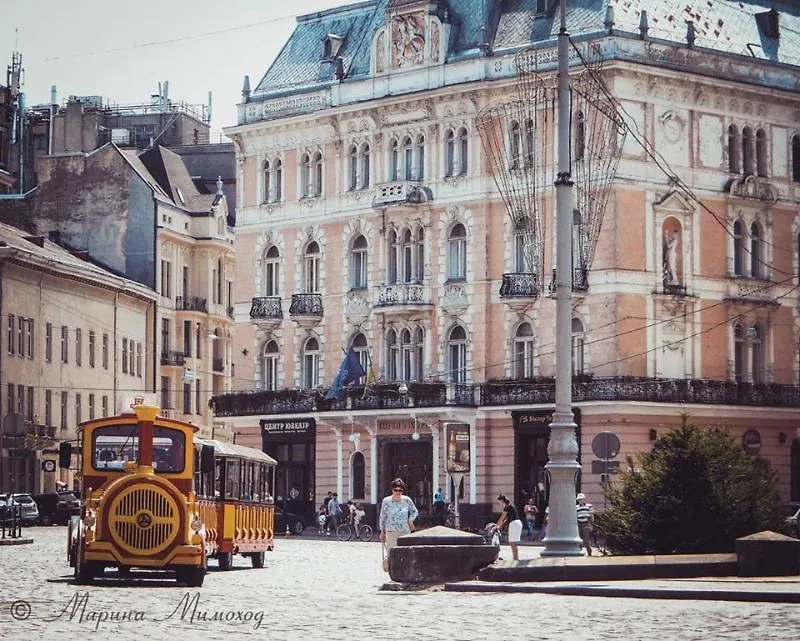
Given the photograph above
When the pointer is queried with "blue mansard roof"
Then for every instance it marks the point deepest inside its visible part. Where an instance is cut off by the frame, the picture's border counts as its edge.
(481, 27)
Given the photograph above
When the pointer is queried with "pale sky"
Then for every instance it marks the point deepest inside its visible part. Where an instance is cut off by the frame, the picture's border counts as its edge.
(122, 50)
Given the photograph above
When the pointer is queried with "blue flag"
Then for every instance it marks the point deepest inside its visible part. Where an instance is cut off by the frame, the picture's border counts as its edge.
(349, 372)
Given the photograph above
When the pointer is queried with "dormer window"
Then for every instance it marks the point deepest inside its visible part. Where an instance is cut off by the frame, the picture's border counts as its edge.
(331, 44)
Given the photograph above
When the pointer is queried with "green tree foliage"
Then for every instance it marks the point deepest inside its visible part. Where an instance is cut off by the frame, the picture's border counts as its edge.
(696, 492)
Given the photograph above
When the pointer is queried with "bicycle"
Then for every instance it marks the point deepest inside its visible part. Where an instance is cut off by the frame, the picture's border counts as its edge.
(348, 531)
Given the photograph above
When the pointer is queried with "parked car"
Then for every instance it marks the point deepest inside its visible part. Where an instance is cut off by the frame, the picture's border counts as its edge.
(29, 513)
(6, 516)
(57, 507)
(283, 519)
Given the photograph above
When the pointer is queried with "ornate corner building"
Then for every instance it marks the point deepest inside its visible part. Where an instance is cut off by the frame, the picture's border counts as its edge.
(368, 218)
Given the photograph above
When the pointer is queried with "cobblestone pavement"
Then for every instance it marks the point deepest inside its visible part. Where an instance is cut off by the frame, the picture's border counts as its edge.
(313, 589)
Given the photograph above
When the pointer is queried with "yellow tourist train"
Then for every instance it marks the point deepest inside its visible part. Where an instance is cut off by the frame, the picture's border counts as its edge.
(155, 496)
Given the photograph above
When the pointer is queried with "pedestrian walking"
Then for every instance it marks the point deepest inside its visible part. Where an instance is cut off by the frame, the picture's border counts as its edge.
(397, 517)
(334, 511)
(531, 512)
(509, 517)
(585, 515)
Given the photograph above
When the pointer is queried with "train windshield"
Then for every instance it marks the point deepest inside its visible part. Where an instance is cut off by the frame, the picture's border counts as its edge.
(115, 445)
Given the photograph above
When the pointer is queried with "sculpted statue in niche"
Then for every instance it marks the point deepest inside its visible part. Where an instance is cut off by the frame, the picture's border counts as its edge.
(408, 40)
(434, 42)
(671, 242)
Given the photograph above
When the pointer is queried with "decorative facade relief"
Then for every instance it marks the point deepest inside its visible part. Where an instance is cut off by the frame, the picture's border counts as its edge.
(753, 187)
(408, 40)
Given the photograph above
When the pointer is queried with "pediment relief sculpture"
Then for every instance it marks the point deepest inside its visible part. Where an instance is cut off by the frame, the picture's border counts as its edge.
(753, 187)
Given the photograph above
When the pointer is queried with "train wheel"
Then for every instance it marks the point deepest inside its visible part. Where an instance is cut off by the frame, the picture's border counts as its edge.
(224, 560)
(258, 559)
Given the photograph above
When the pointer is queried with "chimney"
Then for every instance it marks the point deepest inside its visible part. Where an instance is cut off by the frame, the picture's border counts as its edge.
(53, 95)
(690, 33)
(246, 89)
(609, 21)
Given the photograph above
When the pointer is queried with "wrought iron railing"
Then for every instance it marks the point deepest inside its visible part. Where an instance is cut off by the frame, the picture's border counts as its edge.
(509, 392)
(191, 304)
(306, 305)
(520, 284)
(173, 358)
(266, 307)
(580, 280)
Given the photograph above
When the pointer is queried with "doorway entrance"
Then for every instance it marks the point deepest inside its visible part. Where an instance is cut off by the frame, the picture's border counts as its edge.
(411, 461)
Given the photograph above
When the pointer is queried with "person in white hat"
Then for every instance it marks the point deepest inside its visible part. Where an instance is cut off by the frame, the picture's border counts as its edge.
(585, 518)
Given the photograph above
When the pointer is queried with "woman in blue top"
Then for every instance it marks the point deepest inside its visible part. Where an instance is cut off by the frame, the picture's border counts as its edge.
(397, 516)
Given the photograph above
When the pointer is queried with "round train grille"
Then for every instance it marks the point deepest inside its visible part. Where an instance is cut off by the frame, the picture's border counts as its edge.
(143, 520)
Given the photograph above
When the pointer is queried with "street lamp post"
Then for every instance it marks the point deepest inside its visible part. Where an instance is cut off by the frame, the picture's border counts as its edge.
(562, 467)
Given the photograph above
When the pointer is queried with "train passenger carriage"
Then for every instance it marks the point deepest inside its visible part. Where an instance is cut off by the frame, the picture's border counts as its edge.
(155, 496)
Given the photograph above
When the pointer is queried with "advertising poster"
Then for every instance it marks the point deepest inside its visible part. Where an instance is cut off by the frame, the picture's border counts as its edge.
(457, 451)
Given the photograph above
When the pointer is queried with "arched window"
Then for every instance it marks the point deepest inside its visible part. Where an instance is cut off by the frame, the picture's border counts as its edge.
(408, 159)
(463, 151)
(449, 153)
(392, 355)
(580, 136)
(747, 151)
(457, 352)
(457, 263)
(305, 175)
(391, 265)
(317, 187)
(738, 248)
(358, 476)
(738, 353)
(311, 266)
(267, 183)
(359, 345)
(514, 145)
(577, 241)
(757, 269)
(358, 257)
(272, 259)
(520, 262)
(420, 157)
(420, 254)
(394, 160)
(277, 188)
(419, 346)
(407, 355)
(408, 257)
(269, 366)
(523, 351)
(577, 347)
(365, 166)
(530, 149)
(761, 152)
(733, 150)
(756, 354)
(796, 158)
(311, 363)
(353, 168)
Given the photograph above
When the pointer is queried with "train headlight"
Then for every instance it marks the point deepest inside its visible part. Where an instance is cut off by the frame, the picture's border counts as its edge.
(90, 519)
(197, 523)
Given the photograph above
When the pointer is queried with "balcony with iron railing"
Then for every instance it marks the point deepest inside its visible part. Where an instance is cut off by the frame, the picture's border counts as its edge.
(266, 311)
(519, 285)
(400, 297)
(173, 358)
(191, 304)
(306, 309)
(580, 280)
(525, 392)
